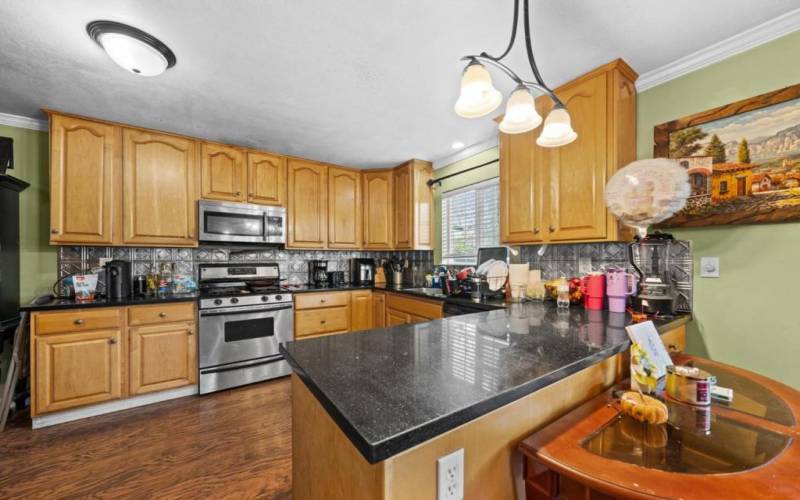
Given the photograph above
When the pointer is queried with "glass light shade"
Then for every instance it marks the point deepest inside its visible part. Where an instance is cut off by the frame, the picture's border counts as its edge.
(521, 115)
(557, 130)
(478, 95)
(134, 55)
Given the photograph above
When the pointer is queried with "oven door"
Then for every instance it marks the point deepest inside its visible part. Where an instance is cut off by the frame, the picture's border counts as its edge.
(232, 222)
(235, 334)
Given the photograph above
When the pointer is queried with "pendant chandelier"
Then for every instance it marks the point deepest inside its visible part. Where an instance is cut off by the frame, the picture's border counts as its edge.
(479, 97)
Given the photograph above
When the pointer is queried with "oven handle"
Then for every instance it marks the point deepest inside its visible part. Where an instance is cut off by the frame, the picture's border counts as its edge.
(231, 312)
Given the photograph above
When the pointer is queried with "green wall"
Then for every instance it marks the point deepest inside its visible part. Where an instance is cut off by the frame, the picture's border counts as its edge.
(479, 175)
(745, 317)
(38, 258)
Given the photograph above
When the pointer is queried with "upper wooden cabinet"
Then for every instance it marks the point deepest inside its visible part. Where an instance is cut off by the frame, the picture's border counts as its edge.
(378, 211)
(344, 208)
(159, 177)
(83, 172)
(307, 211)
(413, 206)
(266, 178)
(222, 173)
(556, 194)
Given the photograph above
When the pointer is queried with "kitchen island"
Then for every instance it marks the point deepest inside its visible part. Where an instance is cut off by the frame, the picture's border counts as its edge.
(374, 410)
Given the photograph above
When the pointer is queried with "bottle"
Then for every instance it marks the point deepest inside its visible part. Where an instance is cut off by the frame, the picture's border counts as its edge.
(164, 279)
(563, 294)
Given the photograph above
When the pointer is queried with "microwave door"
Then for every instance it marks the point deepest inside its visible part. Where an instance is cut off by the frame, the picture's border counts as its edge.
(222, 222)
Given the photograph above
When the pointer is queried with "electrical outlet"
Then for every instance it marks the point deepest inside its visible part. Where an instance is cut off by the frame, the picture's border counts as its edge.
(709, 267)
(450, 472)
(584, 265)
(103, 261)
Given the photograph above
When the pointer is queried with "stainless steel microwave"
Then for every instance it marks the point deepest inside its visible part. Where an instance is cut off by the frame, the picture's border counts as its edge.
(222, 221)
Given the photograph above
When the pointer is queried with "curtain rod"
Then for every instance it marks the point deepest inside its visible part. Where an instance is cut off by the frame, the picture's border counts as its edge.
(431, 182)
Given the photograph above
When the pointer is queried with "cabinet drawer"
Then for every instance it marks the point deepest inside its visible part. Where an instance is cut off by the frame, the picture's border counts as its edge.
(77, 320)
(160, 313)
(431, 309)
(316, 321)
(317, 300)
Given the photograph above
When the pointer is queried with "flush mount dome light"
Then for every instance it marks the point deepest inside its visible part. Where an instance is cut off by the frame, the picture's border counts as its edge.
(131, 48)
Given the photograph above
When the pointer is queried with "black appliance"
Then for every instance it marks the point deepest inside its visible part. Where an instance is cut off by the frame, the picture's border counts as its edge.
(118, 279)
(10, 187)
(335, 279)
(362, 271)
(318, 273)
(6, 154)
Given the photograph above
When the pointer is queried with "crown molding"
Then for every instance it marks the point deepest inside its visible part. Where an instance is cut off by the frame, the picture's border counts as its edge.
(23, 122)
(467, 152)
(746, 40)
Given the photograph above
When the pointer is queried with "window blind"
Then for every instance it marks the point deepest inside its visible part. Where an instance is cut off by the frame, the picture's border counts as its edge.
(470, 220)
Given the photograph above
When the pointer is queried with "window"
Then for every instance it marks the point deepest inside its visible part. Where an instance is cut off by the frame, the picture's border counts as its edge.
(470, 220)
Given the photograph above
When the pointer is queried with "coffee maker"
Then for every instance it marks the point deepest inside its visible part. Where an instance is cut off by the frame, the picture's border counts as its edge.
(650, 257)
(318, 273)
(118, 279)
(362, 271)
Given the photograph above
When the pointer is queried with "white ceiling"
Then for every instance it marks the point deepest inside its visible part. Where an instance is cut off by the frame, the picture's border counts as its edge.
(359, 83)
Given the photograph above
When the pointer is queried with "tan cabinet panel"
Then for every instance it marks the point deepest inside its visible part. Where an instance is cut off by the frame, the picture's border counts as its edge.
(361, 310)
(321, 321)
(430, 309)
(378, 210)
(395, 317)
(78, 320)
(344, 208)
(266, 178)
(319, 300)
(307, 213)
(403, 203)
(423, 206)
(520, 189)
(162, 357)
(160, 192)
(83, 168)
(222, 173)
(378, 309)
(76, 369)
(160, 313)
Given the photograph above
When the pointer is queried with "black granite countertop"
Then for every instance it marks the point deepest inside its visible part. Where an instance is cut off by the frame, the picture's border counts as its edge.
(392, 388)
(52, 303)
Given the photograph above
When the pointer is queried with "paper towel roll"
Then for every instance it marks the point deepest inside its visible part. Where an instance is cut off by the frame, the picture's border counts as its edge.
(518, 273)
(534, 276)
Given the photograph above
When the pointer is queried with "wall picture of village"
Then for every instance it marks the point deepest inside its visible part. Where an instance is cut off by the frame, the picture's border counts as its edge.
(743, 168)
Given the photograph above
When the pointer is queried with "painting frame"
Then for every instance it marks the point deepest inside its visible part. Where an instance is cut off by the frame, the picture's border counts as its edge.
(661, 149)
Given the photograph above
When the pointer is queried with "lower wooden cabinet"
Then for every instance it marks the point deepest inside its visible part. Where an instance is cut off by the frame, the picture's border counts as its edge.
(162, 357)
(405, 309)
(91, 355)
(77, 369)
(395, 317)
(378, 309)
(361, 310)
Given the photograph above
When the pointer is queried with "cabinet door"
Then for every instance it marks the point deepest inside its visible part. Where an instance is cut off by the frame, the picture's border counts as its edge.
(378, 309)
(159, 186)
(520, 189)
(222, 173)
(344, 208)
(361, 310)
(577, 171)
(403, 202)
(162, 357)
(266, 178)
(423, 206)
(83, 157)
(395, 317)
(307, 213)
(76, 369)
(378, 216)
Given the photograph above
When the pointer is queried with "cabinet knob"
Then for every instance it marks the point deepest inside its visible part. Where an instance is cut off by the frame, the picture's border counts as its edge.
(54, 231)
(78, 321)
(322, 300)
(189, 332)
(536, 230)
(112, 341)
(238, 193)
(162, 314)
(322, 321)
(552, 228)
(190, 235)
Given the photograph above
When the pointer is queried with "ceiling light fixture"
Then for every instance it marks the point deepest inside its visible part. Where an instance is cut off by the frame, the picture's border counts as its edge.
(457, 145)
(479, 97)
(132, 48)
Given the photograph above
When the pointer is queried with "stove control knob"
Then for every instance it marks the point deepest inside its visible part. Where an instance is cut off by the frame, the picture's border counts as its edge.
(279, 297)
(217, 302)
(234, 300)
(264, 298)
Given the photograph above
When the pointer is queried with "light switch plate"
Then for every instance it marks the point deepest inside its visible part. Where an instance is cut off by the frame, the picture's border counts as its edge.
(450, 476)
(584, 265)
(709, 267)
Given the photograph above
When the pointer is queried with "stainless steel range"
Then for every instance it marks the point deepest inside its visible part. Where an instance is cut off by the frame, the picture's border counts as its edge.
(244, 316)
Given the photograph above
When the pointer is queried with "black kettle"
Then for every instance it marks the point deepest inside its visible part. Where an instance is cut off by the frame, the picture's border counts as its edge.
(118, 279)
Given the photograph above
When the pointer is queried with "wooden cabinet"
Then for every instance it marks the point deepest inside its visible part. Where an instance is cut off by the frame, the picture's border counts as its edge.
(307, 211)
(556, 194)
(266, 178)
(405, 309)
(413, 206)
(378, 210)
(162, 356)
(83, 172)
(395, 317)
(321, 313)
(361, 314)
(90, 355)
(159, 178)
(222, 173)
(344, 208)
(378, 309)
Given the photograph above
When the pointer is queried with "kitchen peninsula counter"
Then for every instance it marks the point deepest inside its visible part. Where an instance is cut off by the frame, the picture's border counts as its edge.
(408, 394)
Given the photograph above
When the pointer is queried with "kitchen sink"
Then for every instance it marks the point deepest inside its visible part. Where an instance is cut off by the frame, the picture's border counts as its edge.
(425, 291)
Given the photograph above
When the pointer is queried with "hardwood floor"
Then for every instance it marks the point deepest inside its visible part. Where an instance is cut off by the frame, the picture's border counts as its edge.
(232, 444)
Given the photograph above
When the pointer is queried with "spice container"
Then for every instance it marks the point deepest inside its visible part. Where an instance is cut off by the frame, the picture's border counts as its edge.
(690, 385)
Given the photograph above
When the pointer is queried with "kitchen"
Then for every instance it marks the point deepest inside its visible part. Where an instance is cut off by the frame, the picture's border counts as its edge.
(301, 297)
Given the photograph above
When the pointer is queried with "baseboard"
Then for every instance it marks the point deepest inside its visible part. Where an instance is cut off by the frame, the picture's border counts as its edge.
(112, 406)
